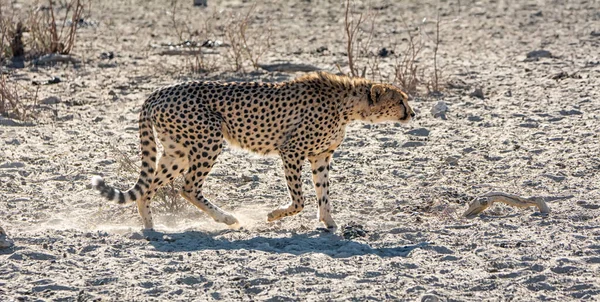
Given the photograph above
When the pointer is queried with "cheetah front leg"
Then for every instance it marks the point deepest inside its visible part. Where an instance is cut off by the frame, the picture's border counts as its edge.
(292, 165)
(320, 171)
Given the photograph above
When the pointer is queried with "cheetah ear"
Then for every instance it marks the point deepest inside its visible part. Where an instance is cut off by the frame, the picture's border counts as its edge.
(377, 90)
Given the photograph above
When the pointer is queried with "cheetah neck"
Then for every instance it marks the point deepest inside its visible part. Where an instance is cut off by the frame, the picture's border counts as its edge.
(358, 107)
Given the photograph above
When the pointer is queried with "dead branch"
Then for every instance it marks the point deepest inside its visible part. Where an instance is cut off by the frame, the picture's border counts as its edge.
(483, 202)
(351, 30)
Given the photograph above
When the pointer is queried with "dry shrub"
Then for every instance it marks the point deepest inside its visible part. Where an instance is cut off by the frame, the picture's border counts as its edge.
(436, 79)
(15, 105)
(356, 45)
(11, 32)
(196, 41)
(167, 198)
(47, 27)
(409, 75)
(406, 68)
(408, 72)
(248, 42)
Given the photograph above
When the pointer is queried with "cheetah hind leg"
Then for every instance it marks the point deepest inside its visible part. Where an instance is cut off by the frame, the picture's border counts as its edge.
(212, 210)
(200, 165)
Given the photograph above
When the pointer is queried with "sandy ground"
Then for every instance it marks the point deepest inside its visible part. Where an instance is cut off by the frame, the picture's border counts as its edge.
(531, 135)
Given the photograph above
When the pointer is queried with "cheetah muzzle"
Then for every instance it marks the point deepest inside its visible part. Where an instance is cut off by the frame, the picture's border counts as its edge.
(303, 119)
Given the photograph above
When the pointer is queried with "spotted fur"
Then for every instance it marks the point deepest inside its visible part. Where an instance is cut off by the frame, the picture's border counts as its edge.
(303, 119)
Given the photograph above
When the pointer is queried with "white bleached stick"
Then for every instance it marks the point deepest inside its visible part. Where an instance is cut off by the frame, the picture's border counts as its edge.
(483, 202)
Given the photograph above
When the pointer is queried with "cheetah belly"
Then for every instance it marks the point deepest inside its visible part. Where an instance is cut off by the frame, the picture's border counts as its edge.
(256, 140)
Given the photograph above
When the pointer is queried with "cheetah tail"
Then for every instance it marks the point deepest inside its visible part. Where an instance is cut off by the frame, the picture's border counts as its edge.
(148, 146)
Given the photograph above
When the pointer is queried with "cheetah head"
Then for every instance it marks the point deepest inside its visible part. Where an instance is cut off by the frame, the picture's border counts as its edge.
(388, 103)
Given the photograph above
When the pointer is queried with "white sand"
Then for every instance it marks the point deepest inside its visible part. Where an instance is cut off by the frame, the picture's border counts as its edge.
(531, 135)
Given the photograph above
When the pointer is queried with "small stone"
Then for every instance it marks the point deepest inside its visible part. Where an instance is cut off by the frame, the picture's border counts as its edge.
(13, 141)
(384, 52)
(418, 132)
(430, 298)
(570, 112)
(322, 49)
(51, 100)
(411, 144)
(557, 178)
(107, 55)
(439, 110)
(12, 165)
(478, 93)
(54, 80)
(201, 3)
(136, 236)
(475, 118)
(539, 54)
(5, 242)
(452, 160)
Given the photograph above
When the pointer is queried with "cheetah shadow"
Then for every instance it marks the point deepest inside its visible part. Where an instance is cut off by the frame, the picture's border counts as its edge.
(297, 244)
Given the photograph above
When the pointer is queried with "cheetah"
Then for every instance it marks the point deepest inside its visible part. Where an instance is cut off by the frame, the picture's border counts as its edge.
(302, 119)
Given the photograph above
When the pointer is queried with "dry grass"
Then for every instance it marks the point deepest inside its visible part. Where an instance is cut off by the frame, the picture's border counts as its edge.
(167, 198)
(15, 104)
(408, 72)
(196, 40)
(358, 42)
(436, 80)
(51, 32)
(248, 42)
(406, 68)
(10, 36)
(43, 29)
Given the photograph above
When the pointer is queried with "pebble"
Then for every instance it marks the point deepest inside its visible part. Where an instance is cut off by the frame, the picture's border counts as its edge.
(411, 144)
(539, 54)
(5, 242)
(12, 165)
(439, 110)
(418, 132)
(51, 100)
(477, 93)
(570, 112)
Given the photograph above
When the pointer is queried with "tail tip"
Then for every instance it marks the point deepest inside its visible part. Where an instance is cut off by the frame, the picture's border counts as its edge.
(97, 181)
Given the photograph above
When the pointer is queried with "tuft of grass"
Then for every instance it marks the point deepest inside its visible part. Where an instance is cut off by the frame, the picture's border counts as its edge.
(406, 68)
(15, 105)
(167, 198)
(247, 42)
(408, 73)
(196, 41)
(49, 29)
(52, 32)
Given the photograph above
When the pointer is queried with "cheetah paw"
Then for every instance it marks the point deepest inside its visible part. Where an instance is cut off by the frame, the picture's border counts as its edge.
(275, 215)
(330, 225)
(229, 220)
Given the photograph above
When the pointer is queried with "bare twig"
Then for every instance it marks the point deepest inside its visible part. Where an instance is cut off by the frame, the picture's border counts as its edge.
(246, 42)
(481, 203)
(407, 71)
(351, 29)
(45, 36)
